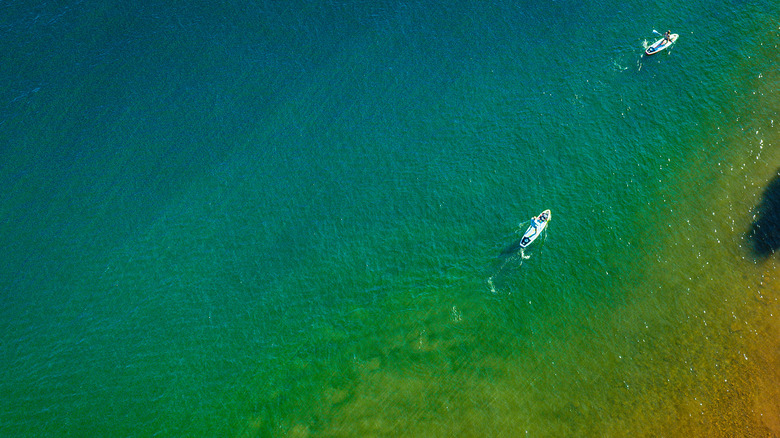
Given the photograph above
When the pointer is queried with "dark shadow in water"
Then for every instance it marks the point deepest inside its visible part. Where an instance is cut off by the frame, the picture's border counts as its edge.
(512, 249)
(512, 258)
(764, 235)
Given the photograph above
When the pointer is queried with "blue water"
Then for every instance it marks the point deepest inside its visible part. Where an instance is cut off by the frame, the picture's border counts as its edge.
(261, 219)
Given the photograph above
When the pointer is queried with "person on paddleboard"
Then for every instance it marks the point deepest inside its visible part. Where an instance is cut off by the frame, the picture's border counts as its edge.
(667, 36)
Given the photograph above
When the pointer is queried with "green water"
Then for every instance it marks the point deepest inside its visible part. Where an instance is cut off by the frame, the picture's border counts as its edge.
(250, 219)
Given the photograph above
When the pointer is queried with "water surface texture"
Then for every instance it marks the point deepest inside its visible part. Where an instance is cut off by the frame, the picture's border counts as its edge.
(261, 219)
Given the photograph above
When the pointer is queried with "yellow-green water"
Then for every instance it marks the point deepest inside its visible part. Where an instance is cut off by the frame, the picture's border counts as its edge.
(260, 219)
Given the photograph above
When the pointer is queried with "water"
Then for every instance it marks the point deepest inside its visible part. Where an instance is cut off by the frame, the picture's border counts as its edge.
(259, 219)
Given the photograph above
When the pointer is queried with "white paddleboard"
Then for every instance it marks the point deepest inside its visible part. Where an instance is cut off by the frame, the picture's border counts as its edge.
(660, 45)
(538, 224)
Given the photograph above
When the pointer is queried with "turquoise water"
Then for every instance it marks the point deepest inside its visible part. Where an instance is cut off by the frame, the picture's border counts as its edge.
(259, 219)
